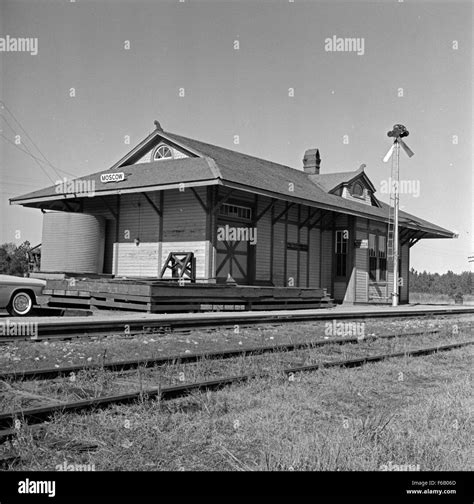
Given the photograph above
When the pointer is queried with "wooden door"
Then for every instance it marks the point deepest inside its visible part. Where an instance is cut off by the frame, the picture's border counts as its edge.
(232, 257)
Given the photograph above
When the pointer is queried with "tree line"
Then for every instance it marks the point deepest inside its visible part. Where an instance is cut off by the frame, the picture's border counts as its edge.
(448, 283)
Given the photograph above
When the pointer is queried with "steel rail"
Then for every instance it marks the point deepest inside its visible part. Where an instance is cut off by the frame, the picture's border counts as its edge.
(124, 365)
(91, 328)
(43, 413)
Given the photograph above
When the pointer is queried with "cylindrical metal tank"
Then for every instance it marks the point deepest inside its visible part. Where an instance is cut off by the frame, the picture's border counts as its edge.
(72, 242)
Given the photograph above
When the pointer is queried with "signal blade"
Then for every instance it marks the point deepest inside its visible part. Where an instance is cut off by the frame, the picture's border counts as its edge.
(405, 147)
(389, 154)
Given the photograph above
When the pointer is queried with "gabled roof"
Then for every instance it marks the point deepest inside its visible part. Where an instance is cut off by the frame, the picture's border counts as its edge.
(197, 171)
(331, 181)
(211, 165)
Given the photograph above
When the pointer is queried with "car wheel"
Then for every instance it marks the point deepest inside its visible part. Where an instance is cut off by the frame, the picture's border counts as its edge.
(21, 304)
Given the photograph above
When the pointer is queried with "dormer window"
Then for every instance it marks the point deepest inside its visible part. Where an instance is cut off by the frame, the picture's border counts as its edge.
(358, 190)
(162, 152)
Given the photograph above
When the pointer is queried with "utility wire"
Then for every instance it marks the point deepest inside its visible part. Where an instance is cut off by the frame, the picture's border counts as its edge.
(34, 158)
(3, 106)
(19, 148)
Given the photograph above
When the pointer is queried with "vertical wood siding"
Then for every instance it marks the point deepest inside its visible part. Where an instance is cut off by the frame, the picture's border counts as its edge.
(263, 252)
(326, 261)
(404, 273)
(314, 258)
(138, 219)
(184, 227)
(279, 246)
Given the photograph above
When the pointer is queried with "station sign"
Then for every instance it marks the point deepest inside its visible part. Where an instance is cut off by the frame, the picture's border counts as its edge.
(112, 177)
(363, 244)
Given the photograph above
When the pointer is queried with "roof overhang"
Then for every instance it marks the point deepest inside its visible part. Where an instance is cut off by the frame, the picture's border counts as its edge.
(427, 232)
(418, 230)
(35, 202)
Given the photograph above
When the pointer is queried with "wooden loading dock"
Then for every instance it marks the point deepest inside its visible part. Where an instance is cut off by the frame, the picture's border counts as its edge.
(154, 296)
(267, 227)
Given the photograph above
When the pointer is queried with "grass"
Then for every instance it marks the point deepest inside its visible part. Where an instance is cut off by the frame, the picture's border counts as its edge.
(413, 411)
(428, 298)
(100, 382)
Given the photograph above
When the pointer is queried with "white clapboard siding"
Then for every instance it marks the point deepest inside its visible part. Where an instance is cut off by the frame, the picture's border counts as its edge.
(133, 260)
(365, 200)
(379, 292)
(263, 252)
(361, 265)
(198, 248)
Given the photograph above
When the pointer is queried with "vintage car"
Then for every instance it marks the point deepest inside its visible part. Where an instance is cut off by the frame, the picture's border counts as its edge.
(18, 294)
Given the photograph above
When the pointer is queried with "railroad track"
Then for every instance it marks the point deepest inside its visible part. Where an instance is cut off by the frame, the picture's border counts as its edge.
(132, 326)
(42, 414)
(124, 365)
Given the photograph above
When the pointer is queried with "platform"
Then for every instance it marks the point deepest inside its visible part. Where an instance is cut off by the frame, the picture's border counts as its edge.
(336, 312)
(155, 296)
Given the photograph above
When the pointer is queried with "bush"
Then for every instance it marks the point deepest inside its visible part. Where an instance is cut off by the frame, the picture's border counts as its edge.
(14, 259)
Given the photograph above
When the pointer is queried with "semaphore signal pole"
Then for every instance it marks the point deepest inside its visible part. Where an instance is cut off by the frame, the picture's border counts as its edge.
(399, 131)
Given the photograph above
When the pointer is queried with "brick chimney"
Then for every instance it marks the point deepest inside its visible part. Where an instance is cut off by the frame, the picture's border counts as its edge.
(311, 162)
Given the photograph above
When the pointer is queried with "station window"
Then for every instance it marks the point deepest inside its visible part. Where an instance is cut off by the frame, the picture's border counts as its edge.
(377, 258)
(162, 152)
(382, 253)
(358, 190)
(236, 211)
(342, 240)
(372, 258)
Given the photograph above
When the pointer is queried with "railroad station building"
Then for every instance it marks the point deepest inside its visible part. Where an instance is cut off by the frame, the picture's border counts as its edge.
(243, 218)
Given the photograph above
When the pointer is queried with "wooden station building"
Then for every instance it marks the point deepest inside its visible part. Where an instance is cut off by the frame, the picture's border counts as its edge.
(262, 223)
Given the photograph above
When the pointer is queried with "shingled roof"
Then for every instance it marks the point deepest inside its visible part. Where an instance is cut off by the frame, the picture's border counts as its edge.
(210, 165)
(330, 181)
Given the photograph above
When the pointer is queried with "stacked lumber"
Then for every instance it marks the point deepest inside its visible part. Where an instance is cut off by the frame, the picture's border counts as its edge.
(155, 296)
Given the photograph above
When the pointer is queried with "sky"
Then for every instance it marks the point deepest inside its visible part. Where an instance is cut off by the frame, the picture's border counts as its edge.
(211, 70)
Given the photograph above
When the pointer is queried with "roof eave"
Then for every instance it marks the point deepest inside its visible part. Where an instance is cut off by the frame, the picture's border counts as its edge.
(131, 190)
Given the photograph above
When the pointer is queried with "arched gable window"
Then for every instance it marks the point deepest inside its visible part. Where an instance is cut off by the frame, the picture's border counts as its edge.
(162, 152)
(357, 190)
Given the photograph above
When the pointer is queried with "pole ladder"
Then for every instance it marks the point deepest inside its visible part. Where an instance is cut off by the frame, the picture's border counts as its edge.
(392, 236)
